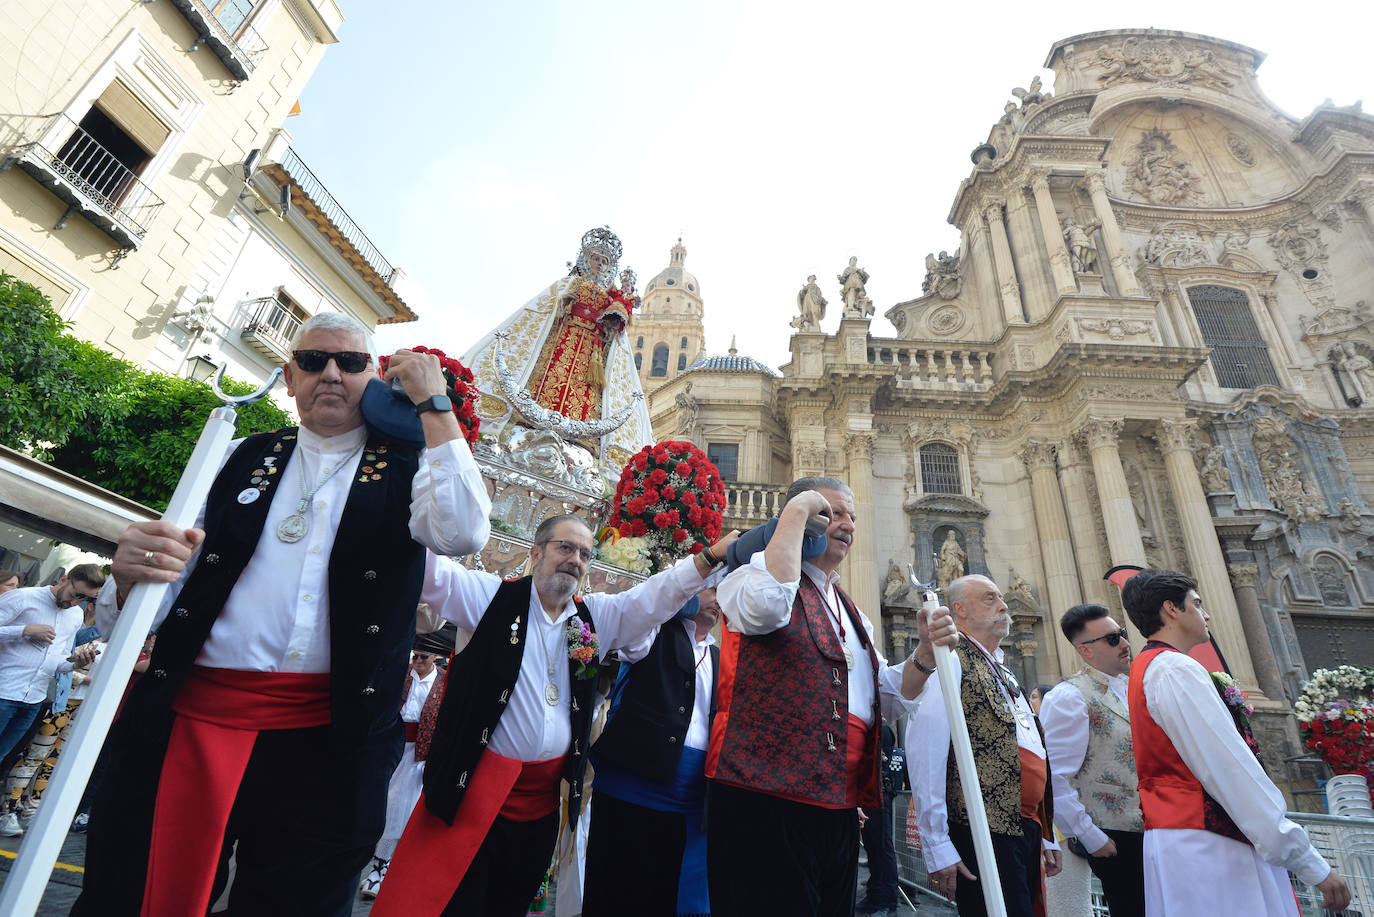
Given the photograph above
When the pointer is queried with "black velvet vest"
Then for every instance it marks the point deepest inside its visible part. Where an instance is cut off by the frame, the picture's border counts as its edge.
(646, 733)
(375, 573)
(480, 682)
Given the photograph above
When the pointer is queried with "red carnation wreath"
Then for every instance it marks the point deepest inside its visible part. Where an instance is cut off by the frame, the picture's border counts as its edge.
(460, 390)
(671, 494)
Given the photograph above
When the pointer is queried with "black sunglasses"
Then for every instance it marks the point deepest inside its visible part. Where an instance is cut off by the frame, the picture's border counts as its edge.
(82, 598)
(1113, 639)
(349, 361)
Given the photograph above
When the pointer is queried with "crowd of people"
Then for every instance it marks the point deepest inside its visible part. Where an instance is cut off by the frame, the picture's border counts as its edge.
(293, 743)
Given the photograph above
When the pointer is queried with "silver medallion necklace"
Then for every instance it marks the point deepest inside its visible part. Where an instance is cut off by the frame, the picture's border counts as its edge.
(551, 693)
(295, 526)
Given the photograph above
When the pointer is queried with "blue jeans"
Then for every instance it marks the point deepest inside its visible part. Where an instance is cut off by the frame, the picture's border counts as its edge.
(15, 719)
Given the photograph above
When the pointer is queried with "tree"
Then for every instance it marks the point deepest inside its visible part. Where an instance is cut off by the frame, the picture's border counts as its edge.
(96, 416)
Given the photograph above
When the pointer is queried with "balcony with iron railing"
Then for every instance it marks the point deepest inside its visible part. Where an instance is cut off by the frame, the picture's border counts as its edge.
(269, 328)
(239, 51)
(80, 171)
(330, 208)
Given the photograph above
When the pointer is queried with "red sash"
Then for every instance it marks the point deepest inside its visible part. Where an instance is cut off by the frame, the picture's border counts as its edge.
(854, 772)
(219, 714)
(433, 857)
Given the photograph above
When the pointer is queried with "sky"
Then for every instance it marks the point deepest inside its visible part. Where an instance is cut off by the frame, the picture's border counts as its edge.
(474, 142)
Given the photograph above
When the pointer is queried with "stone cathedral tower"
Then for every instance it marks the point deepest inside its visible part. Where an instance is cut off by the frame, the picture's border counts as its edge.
(667, 334)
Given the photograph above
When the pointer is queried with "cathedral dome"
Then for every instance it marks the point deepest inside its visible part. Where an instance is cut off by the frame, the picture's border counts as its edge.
(676, 276)
(733, 362)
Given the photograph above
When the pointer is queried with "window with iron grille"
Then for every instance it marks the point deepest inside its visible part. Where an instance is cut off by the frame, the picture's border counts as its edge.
(725, 456)
(940, 469)
(1240, 357)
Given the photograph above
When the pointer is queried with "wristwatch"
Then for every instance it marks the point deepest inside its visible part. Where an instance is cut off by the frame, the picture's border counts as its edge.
(917, 663)
(434, 403)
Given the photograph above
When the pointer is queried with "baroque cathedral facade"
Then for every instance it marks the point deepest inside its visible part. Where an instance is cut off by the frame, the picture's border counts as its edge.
(1154, 345)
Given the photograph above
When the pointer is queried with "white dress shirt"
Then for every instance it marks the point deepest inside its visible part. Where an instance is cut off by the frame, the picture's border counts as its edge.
(699, 729)
(1064, 714)
(531, 729)
(755, 603)
(276, 618)
(26, 665)
(416, 697)
(927, 757)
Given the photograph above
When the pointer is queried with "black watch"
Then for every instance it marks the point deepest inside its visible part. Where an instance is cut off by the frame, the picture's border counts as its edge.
(434, 403)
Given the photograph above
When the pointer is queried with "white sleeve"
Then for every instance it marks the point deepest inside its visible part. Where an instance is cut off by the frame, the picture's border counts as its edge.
(753, 602)
(891, 704)
(626, 618)
(1183, 699)
(449, 507)
(456, 593)
(1064, 714)
(927, 757)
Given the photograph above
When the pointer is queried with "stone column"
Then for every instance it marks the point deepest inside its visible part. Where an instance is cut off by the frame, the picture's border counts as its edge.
(862, 580)
(1006, 269)
(1036, 290)
(1117, 255)
(1118, 515)
(1073, 485)
(1204, 551)
(1056, 547)
(983, 268)
(1060, 264)
(1243, 578)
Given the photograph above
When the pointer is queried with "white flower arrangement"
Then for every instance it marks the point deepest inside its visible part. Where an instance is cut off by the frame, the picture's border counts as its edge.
(1343, 693)
(628, 552)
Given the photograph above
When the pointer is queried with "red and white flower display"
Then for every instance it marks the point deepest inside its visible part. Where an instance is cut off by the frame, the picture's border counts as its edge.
(673, 496)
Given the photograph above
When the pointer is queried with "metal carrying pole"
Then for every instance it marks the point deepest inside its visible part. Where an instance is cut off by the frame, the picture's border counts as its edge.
(23, 889)
(987, 873)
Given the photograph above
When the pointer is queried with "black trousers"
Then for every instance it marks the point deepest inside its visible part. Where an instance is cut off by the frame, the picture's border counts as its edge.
(1123, 876)
(306, 819)
(633, 855)
(881, 889)
(1018, 867)
(767, 855)
(507, 869)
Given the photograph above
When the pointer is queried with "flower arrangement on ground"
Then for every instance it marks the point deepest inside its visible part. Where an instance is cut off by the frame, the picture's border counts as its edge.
(1336, 718)
(671, 496)
(460, 389)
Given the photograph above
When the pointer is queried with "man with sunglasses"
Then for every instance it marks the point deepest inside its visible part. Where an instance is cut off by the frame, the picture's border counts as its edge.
(1088, 735)
(38, 628)
(516, 719)
(1009, 753)
(281, 649)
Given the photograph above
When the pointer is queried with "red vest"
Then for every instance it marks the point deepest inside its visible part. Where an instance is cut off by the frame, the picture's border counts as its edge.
(782, 710)
(1170, 796)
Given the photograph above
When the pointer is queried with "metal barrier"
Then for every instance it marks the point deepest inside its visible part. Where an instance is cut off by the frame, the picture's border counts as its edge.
(1348, 845)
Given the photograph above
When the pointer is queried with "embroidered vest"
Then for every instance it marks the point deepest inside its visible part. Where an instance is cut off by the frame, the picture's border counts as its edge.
(992, 732)
(646, 728)
(480, 682)
(783, 708)
(1106, 781)
(375, 574)
(1170, 796)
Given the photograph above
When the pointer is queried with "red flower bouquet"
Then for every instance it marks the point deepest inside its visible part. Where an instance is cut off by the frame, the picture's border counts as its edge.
(460, 390)
(671, 495)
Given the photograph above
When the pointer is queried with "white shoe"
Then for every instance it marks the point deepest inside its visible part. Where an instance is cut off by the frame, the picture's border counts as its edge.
(375, 875)
(9, 825)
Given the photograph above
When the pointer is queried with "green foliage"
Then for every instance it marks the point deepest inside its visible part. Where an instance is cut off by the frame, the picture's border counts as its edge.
(96, 416)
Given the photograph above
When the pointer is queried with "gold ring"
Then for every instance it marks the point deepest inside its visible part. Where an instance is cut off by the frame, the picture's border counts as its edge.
(148, 558)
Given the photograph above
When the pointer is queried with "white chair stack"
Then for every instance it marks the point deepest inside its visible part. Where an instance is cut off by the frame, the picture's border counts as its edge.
(1347, 795)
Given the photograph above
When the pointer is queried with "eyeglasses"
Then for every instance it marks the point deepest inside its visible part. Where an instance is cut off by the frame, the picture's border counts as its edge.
(348, 361)
(82, 598)
(1113, 639)
(568, 548)
(1009, 680)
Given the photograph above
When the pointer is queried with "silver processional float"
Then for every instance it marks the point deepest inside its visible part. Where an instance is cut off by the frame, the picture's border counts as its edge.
(988, 876)
(23, 889)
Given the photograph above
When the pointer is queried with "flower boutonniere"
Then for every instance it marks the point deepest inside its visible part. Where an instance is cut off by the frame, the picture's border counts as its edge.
(1235, 700)
(583, 649)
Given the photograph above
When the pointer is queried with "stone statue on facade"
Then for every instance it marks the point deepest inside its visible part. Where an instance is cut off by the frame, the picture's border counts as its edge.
(1216, 477)
(896, 587)
(942, 275)
(688, 409)
(853, 292)
(1079, 240)
(1287, 489)
(1355, 371)
(810, 307)
(1020, 588)
(950, 563)
(1032, 96)
(1159, 174)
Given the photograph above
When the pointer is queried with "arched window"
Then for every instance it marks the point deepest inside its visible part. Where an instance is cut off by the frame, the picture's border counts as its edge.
(639, 361)
(940, 469)
(640, 342)
(683, 345)
(1240, 357)
(660, 364)
(681, 362)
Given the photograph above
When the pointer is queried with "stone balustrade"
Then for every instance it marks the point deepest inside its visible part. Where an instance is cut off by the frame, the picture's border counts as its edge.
(925, 366)
(749, 505)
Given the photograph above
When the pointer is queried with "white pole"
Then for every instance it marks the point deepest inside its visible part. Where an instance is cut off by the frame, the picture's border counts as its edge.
(23, 889)
(986, 867)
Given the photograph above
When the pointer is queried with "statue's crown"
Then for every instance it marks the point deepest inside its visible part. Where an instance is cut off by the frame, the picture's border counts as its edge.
(602, 241)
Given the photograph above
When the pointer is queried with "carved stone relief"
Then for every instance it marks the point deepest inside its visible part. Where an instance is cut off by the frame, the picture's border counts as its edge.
(942, 275)
(1159, 174)
(1284, 482)
(1163, 61)
(1118, 329)
(1302, 252)
(1240, 149)
(1177, 245)
(947, 320)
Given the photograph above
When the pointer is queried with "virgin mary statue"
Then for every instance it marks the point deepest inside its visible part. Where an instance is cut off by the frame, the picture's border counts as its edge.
(567, 348)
